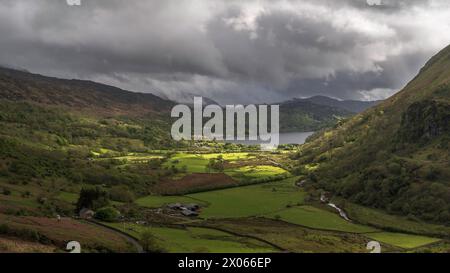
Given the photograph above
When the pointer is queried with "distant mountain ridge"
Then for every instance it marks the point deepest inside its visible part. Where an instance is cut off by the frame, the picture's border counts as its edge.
(80, 95)
(318, 112)
(310, 114)
(304, 116)
(353, 106)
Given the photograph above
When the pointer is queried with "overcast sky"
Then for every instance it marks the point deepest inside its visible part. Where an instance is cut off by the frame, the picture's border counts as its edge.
(231, 51)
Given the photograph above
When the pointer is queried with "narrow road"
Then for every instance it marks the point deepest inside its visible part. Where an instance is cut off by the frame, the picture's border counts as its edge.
(130, 239)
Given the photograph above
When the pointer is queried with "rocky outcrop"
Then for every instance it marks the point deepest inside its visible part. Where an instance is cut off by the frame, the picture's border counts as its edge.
(424, 121)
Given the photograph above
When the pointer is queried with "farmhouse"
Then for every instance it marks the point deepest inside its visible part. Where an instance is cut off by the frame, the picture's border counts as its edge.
(192, 207)
(175, 206)
(186, 209)
(179, 206)
(187, 212)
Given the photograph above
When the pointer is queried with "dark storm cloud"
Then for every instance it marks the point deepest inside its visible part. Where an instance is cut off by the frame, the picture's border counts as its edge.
(246, 51)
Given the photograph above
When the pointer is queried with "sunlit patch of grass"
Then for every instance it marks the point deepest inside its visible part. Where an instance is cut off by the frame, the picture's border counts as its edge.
(101, 151)
(256, 171)
(230, 156)
(312, 167)
(195, 163)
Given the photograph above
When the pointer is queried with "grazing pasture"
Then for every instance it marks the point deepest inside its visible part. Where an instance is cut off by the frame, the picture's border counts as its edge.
(195, 163)
(230, 156)
(250, 200)
(256, 172)
(197, 240)
(237, 202)
(295, 238)
(313, 217)
(382, 220)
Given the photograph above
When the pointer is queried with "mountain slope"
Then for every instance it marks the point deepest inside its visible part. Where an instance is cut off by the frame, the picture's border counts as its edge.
(394, 156)
(47, 112)
(77, 95)
(353, 106)
(318, 112)
(301, 115)
(50, 129)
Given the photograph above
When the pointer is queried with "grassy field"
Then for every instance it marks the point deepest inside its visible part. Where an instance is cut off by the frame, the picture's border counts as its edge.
(402, 240)
(68, 197)
(250, 200)
(197, 240)
(232, 157)
(385, 221)
(196, 163)
(295, 238)
(255, 172)
(319, 219)
(438, 247)
(101, 151)
(237, 202)
(280, 200)
(154, 201)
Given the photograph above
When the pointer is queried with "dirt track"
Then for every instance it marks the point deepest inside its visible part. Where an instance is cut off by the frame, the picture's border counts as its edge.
(130, 239)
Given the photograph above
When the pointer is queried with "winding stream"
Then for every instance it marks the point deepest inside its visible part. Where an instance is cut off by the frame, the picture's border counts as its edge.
(341, 212)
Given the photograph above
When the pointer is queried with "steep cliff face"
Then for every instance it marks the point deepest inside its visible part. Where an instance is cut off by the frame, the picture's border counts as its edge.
(424, 121)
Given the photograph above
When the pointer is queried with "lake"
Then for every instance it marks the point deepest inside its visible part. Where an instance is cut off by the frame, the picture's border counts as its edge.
(285, 138)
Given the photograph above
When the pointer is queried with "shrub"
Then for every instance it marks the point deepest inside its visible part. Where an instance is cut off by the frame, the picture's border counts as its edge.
(149, 243)
(92, 198)
(121, 194)
(107, 214)
(432, 174)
